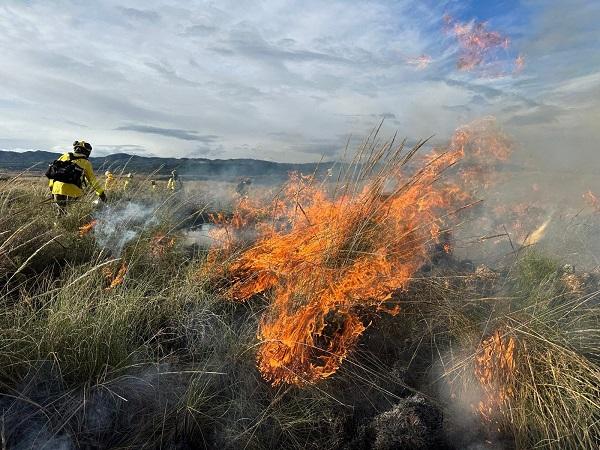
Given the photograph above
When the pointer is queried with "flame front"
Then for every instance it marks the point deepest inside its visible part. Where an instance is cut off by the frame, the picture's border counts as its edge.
(329, 257)
(336, 257)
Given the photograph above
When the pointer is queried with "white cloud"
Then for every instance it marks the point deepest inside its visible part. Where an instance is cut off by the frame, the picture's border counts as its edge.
(276, 79)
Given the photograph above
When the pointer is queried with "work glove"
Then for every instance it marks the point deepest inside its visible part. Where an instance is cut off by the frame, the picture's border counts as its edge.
(103, 197)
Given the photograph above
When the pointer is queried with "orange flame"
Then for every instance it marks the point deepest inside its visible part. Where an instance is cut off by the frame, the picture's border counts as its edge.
(477, 44)
(482, 146)
(85, 229)
(115, 279)
(326, 259)
(495, 370)
(160, 245)
(336, 257)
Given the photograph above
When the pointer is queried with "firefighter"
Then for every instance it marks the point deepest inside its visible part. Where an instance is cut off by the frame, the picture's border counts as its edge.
(128, 179)
(173, 184)
(153, 185)
(243, 186)
(110, 181)
(69, 174)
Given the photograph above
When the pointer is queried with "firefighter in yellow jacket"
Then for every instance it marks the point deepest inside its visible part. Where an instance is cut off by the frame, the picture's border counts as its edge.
(128, 179)
(76, 162)
(174, 183)
(109, 182)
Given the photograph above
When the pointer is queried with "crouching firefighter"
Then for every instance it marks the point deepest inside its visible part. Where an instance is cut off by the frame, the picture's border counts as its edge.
(69, 174)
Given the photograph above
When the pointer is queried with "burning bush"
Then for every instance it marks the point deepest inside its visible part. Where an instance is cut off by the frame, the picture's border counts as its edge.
(329, 259)
(326, 254)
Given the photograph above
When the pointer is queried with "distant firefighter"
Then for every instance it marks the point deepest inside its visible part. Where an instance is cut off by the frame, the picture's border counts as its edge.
(69, 174)
(174, 183)
(109, 182)
(153, 185)
(243, 186)
(128, 179)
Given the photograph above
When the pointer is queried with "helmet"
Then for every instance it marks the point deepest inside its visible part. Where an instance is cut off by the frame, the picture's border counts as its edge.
(107, 173)
(82, 147)
(129, 175)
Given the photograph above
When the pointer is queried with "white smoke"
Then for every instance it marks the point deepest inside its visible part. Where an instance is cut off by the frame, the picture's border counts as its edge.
(201, 236)
(117, 225)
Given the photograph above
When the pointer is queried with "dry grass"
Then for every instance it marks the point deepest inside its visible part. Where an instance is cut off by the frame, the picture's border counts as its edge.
(163, 359)
(540, 383)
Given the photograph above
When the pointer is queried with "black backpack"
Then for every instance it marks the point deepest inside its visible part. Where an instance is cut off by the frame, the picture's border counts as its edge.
(66, 171)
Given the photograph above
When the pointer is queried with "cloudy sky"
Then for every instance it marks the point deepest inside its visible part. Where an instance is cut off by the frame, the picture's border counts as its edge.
(292, 80)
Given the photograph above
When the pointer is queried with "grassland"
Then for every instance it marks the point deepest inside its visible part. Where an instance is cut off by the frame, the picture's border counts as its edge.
(502, 357)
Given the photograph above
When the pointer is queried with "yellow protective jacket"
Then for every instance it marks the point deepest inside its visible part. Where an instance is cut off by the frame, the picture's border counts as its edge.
(109, 183)
(71, 190)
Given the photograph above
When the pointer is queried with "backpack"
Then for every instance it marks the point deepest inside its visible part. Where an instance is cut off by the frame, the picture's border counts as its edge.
(66, 171)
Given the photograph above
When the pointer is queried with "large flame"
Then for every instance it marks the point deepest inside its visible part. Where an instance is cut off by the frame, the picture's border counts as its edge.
(337, 256)
(330, 256)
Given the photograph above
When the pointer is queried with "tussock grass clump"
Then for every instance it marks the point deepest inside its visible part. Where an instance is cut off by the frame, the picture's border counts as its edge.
(523, 359)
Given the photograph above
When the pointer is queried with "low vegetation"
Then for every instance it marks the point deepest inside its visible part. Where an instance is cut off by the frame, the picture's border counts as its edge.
(138, 348)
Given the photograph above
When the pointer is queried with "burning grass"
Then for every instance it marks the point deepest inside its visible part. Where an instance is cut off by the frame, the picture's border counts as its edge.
(87, 228)
(327, 257)
(495, 370)
(336, 256)
(519, 359)
(310, 323)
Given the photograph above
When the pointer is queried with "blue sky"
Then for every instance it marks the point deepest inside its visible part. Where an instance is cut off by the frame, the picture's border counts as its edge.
(290, 81)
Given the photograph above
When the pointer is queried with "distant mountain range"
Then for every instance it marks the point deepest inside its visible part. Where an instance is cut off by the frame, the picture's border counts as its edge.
(191, 168)
(36, 162)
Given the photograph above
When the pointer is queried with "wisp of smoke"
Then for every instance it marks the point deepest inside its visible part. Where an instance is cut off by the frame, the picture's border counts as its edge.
(119, 224)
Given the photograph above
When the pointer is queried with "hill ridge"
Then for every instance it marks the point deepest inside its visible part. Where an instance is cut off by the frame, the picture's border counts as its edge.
(195, 168)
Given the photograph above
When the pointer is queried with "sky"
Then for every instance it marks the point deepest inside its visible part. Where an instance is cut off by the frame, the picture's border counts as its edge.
(293, 81)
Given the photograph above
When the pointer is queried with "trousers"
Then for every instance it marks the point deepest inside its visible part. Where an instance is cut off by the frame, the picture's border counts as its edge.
(61, 202)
